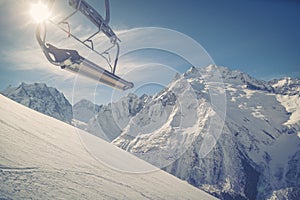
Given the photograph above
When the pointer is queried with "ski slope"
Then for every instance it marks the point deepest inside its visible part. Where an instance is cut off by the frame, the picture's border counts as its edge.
(43, 158)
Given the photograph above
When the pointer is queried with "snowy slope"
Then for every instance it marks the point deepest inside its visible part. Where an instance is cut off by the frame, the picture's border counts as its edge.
(257, 153)
(43, 158)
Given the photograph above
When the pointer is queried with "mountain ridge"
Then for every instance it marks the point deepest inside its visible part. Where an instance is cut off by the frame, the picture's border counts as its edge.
(42, 98)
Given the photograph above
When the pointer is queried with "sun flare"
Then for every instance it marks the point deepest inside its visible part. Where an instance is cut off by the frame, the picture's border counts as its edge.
(39, 12)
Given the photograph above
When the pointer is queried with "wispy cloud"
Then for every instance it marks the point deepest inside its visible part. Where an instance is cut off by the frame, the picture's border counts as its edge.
(167, 40)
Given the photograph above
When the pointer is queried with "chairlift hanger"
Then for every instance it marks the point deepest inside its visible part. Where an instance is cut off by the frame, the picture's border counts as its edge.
(70, 59)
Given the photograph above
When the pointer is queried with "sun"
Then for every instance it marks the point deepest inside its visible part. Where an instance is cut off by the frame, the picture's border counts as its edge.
(39, 12)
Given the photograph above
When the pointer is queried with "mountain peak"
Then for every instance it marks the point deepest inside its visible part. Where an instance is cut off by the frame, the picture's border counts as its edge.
(41, 98)
(84, 110)
(287, 85)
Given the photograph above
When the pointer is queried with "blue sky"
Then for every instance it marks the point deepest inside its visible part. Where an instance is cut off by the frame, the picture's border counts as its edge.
(259, 37)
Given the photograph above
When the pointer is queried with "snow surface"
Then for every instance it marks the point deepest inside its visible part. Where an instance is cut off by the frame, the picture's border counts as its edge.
(43, 158)
(292, 105)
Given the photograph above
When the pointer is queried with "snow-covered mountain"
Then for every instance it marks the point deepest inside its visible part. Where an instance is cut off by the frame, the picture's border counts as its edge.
(84, 110)
(43, 158)
(255, 155)
(110, 119)
(286, 86)
(44, 99)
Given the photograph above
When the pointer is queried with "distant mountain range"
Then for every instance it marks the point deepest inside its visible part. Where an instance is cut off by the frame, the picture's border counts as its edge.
(256, 155)
(41, 98)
